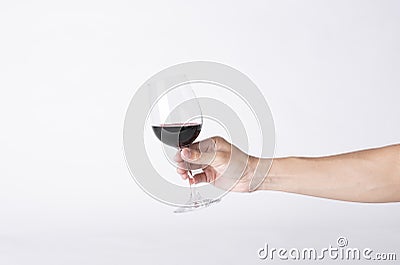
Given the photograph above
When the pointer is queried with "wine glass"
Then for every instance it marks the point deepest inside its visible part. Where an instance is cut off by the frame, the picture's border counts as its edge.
(178, 124)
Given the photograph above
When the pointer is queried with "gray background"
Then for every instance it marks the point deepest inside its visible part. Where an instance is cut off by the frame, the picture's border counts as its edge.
(329, 70)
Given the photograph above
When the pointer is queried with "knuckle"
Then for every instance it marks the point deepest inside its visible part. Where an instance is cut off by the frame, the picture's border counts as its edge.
(219, 141)
(218, 138)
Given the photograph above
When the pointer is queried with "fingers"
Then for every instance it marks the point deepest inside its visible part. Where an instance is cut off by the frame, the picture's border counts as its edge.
(200, 155)
(210, 145)
(207, 145)
(201, 177)
(183, 167)
(177, 157)
(187, 166)
(183, 173)
(196, 157)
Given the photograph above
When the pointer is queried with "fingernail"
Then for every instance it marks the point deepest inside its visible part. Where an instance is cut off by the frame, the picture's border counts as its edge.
(186, 152)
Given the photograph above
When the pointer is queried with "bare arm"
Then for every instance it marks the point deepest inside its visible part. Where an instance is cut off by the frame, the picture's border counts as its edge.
(363, 176)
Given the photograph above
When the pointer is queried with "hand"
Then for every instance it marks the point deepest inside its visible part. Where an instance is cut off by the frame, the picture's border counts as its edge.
(223, 164)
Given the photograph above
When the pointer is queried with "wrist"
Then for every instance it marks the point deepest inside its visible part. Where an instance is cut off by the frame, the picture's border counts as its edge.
(262, 169)
(270, 169)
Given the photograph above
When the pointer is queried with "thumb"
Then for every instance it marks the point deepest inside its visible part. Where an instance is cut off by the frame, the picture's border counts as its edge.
(194, 156)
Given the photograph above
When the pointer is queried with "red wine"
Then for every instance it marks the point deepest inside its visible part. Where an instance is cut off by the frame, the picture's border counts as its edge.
(177, 134)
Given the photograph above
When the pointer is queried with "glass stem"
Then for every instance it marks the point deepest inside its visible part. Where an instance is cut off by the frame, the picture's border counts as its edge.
(192, 187)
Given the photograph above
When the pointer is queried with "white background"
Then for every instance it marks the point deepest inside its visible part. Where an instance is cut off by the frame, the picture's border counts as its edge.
(329, 70)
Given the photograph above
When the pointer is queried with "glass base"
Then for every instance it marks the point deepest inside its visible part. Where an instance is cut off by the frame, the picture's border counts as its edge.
(196, 203)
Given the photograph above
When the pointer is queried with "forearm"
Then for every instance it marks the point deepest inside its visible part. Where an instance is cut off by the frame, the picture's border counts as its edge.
(364, 176)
